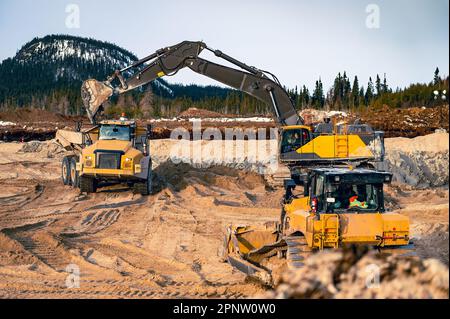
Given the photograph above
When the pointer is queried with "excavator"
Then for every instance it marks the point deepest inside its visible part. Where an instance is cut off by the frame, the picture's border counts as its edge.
(300, 145)
(342, 201)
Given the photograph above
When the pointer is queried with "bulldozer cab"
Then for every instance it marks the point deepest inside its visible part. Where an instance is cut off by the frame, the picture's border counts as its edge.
(343, 190)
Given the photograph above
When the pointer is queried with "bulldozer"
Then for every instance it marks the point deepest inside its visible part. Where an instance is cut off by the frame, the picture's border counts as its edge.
(338, 206)
(111, 152)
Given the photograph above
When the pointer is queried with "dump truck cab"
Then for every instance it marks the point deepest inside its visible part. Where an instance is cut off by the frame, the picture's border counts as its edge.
(113, 151)
(119, 152)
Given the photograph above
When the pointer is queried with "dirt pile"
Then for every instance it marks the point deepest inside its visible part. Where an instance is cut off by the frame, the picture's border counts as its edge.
(32, 115)
(194, 112)
(250, 156)
(420, 162)
(312, 116)
(358, 274)
(408, 122)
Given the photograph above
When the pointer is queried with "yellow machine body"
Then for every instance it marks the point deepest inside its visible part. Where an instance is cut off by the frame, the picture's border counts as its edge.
(332, 147)
(306, 227)
(332, 230)
(133, 162)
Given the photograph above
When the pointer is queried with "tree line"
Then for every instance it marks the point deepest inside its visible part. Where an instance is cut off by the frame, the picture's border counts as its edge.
(344, 95)
(347, 94)
(63, 96)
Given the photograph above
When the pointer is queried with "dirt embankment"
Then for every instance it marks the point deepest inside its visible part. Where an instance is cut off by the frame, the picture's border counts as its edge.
(420, 162)
(409, 122)
(28, 125)
(357, 274)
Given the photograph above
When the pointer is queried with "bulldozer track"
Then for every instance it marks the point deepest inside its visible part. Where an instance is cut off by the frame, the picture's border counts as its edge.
(59, 214)
(31, 194)
(125, 288)
(94, 222)
(297, 251)
(128, 294)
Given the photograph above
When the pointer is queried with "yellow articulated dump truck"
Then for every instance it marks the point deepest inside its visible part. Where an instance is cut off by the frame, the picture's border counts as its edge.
(113, 151)
(338, 206)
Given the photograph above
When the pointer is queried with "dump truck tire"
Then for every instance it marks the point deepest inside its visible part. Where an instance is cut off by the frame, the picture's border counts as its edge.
(88, 184)
(74, 178)
(65, 171)
(145, 188)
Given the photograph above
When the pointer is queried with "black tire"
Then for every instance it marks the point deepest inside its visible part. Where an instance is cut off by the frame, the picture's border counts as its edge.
(74, 177)
(145, 188)
(65, 170)
(87, 184)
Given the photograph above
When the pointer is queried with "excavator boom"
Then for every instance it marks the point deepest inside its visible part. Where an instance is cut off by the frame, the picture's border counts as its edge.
(168, 61)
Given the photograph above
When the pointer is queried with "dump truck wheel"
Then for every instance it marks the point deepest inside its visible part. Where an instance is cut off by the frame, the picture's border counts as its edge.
(74, 178)
(65, 171)
(88, 184)
(145, 188)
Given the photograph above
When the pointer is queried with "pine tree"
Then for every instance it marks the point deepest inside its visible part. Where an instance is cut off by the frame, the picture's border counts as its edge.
(385, 86)
(355, 93)
(318, 99)
(361, 96)
(437, 78)
(346, 90)
(369, 92)
(378, 86)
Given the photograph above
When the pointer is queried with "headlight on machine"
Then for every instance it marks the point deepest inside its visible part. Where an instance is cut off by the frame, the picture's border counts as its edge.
(137, 168)
(128, 163)
(89, 161)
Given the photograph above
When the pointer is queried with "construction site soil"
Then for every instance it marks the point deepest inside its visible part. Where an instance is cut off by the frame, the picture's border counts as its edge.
(124, 245)
(35, 124)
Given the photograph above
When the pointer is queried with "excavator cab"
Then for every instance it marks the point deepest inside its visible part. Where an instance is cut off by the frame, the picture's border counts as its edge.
(294, 137)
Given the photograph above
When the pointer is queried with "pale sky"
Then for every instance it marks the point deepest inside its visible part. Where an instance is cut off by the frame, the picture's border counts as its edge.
(299, 41)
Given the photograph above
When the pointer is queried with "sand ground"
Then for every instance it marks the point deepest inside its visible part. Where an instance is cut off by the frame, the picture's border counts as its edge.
(161, 246)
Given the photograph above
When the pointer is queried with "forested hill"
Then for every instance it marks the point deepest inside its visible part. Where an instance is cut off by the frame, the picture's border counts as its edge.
(47, 73)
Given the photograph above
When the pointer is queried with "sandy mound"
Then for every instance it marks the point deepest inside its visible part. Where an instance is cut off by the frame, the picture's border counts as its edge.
(50, 148)
(437, 142)
(337, 274)
(199, 113)
(420, 162)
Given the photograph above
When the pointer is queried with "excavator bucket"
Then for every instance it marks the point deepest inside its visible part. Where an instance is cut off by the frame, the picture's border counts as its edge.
(94, 94)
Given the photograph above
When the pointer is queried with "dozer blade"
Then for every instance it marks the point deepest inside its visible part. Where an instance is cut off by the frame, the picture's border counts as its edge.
(94, 94)
(246, 247)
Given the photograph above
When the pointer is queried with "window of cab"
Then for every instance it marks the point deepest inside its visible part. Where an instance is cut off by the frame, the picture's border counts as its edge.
(115, 132)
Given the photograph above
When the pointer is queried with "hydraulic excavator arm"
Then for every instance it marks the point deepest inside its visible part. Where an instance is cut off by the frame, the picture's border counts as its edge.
(168, 61)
